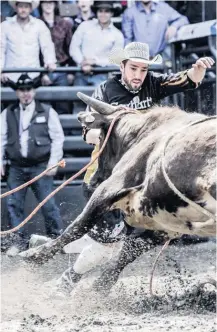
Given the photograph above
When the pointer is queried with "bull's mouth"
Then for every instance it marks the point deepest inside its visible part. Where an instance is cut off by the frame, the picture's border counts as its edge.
(85, 130)
(92, 138)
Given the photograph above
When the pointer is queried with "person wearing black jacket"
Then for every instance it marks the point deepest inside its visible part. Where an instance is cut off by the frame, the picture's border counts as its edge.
(137, 88)
(32, 140)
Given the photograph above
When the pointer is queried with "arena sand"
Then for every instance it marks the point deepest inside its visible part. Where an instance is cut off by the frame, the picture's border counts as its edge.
(28, 304)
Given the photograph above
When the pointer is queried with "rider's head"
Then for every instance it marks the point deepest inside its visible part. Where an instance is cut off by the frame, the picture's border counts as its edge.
(134, 62)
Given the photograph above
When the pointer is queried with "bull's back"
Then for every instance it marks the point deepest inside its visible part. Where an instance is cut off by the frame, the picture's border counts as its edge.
(190, 157)
(190, 163)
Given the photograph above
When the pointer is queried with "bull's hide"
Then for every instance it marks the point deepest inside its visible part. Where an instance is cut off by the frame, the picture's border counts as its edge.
(130, 177)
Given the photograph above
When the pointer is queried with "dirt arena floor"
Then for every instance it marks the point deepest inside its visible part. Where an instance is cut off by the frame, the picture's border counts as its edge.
(28, 304)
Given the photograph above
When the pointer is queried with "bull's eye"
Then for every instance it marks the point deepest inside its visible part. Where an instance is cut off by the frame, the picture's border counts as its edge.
(89, 118)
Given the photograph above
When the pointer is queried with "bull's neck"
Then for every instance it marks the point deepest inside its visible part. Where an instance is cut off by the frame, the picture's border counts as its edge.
(123, 136)
(127, 131)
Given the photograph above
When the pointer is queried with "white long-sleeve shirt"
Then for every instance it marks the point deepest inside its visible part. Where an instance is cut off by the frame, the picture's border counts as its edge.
(20, 46)
(54, 129)
(92, 42)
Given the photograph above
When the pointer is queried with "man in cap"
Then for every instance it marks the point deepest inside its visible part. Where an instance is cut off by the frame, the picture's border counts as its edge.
(22, 38)
(32, 138)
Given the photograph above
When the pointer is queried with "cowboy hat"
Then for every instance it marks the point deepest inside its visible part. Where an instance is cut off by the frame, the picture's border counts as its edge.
(138, 52)
(33, 3)
(25, 82)
(102, 5)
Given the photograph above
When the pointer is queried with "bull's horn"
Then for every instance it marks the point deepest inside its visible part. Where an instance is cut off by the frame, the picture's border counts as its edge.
(98, 105)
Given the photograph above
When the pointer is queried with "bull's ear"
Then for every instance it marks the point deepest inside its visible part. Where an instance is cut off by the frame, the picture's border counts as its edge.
(98, 105)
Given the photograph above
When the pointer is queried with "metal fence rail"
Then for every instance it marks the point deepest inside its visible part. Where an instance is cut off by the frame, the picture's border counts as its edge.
(51, 93)
(73, 69)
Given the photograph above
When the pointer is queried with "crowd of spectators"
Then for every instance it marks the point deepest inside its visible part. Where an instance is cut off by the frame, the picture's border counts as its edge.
(35, 35)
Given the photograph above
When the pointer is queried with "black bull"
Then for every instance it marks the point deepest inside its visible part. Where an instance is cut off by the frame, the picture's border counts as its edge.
(129, 174)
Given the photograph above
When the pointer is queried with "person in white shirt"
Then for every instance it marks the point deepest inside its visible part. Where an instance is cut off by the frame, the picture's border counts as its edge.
(22, 38)
(92, 42)
(32, 138)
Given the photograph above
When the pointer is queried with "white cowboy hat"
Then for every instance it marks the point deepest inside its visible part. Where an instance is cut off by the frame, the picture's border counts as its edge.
(33, 3)
(138, 52)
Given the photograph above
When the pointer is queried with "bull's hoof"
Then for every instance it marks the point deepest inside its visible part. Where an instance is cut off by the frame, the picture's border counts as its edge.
(106, 281)
(37, 240)
(38, 255)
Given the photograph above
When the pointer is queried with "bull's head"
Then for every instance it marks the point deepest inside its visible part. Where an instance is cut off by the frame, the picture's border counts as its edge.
(96, 122)
(95, 126)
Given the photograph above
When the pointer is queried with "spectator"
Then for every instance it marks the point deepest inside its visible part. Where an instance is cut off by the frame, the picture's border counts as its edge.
(23, 36)
(92, 42)
(85, 13)
(196, 11)
(32, 137)
(6, 9)
(151, 22)
(61, 33)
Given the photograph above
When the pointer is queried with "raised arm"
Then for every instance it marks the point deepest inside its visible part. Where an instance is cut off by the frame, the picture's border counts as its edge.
(169, 84)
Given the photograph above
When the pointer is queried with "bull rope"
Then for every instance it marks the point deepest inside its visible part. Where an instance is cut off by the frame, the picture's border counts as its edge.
(62, 164)
(155, 264)
(169, 182)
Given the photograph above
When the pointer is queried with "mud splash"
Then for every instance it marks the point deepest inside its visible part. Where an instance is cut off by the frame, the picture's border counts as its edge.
(179, 305)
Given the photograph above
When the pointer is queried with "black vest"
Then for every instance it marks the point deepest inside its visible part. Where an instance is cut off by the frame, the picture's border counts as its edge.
(39, 143)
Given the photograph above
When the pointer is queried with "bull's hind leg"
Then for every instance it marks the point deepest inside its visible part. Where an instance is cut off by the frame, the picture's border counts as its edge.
(102, 199)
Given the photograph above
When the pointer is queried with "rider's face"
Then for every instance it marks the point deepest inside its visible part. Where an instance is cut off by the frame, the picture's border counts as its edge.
(133, 74)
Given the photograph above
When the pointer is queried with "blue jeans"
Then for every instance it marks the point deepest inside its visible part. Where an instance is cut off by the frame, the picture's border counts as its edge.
(85, 80)
(96, 79)
(58, 79)
(41, 188)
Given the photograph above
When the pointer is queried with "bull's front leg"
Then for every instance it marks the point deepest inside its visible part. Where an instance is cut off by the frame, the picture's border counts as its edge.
(100, 202)
(134, 247)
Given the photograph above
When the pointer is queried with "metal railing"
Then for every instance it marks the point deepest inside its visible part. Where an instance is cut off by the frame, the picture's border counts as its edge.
(65, 69)
(73, 69)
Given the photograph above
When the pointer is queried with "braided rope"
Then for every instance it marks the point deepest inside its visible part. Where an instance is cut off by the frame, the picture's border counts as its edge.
(67, 181)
